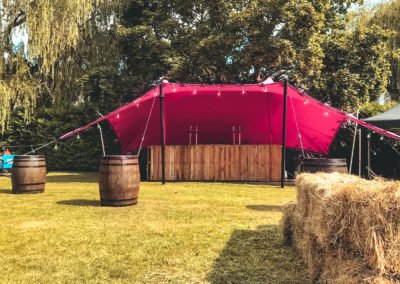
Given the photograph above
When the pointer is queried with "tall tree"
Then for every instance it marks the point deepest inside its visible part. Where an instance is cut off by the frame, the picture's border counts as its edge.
(54, 28)
(387, 16)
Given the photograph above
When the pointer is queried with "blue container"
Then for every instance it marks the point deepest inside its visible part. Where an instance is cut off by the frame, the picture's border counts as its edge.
(6, 162)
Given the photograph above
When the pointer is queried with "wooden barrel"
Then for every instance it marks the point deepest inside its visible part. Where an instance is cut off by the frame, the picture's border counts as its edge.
(313, 165)
(119, 180)
(28, 174)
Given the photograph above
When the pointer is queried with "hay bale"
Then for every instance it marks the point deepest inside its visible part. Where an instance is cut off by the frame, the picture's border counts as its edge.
(347, 227)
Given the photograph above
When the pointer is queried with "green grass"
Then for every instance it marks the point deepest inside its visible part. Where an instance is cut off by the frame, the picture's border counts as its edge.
(178, 233)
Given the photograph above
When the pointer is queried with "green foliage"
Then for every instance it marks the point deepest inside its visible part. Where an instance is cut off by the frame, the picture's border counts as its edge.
(82, 154)
(387, 16)
(245, 41)
(355, 69)
(374, 108)
(54, 30)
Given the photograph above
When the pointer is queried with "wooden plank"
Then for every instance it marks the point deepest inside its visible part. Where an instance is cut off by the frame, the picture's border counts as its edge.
(212, 163)
(217, 162)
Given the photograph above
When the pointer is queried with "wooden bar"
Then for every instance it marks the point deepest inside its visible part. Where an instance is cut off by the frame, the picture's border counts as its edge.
(260, 163)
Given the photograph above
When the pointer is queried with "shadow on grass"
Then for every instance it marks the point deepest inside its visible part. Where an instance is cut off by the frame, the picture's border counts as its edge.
(80, 202)
(6, 191)
(265, 207)
(257, 256)
(81, 177)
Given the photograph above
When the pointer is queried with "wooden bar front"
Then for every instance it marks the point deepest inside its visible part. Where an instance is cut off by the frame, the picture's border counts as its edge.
(260, 163)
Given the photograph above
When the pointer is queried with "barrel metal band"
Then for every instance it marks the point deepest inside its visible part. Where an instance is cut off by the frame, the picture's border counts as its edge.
(28, 184)
(15, 166)
(28, 191)
(322, 166)
(118, 200)
(128, 164)
(119, 158)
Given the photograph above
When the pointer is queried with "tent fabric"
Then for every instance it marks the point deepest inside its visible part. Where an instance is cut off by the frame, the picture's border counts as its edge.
(387, 120)
(215, 110)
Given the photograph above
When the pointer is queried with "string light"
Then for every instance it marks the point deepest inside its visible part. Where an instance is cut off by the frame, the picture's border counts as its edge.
(381, 138)
(243, 92)
(306, 102)
(195, 91)
(265, 89)
(173, 88)
(326, 114)
(369, 136)
(56, 147)
(219, 93)
(117, 116)
(78, 137)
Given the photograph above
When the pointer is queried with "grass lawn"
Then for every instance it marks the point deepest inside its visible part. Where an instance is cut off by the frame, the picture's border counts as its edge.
(178, 233)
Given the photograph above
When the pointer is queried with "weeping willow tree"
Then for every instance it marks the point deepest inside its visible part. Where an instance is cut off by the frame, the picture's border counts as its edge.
(386, 16)
(54, 29)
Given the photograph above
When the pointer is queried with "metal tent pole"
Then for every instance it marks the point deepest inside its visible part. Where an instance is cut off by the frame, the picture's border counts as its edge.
(369, 155)
(359, 152)
(102, 139)
(283, 161)
(354, 144)
(162, 133)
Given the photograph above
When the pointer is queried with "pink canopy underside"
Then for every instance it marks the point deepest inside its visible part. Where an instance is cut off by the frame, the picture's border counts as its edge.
(215, 109)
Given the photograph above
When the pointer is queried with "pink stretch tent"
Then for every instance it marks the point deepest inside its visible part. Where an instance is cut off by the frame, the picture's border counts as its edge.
(216, 109)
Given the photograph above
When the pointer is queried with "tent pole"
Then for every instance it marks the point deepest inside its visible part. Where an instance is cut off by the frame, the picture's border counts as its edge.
(283, 161)
(369, 154)
(102, 139)
(354, 144)
(359, 152)
(162, 133)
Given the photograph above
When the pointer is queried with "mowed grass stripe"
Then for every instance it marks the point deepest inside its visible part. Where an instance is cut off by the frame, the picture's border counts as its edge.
(177, 233)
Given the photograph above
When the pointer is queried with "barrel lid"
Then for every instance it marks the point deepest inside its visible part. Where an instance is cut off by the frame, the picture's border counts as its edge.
(29, 157)
(119, 157)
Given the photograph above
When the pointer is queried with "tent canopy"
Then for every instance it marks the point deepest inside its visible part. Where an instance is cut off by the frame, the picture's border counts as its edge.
(387, 120)
(213, 111)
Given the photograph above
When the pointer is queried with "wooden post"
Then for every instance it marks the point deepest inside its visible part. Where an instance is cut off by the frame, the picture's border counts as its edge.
(283, 165)
(162, 133)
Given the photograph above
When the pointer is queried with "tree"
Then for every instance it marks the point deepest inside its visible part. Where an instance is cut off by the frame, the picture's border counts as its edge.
(355, 68)
(54, 29)
(387, 16)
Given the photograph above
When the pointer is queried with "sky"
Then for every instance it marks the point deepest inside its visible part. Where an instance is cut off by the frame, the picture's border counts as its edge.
(373, 2)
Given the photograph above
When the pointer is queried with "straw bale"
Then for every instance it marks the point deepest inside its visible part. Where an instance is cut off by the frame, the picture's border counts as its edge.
(345, 228)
